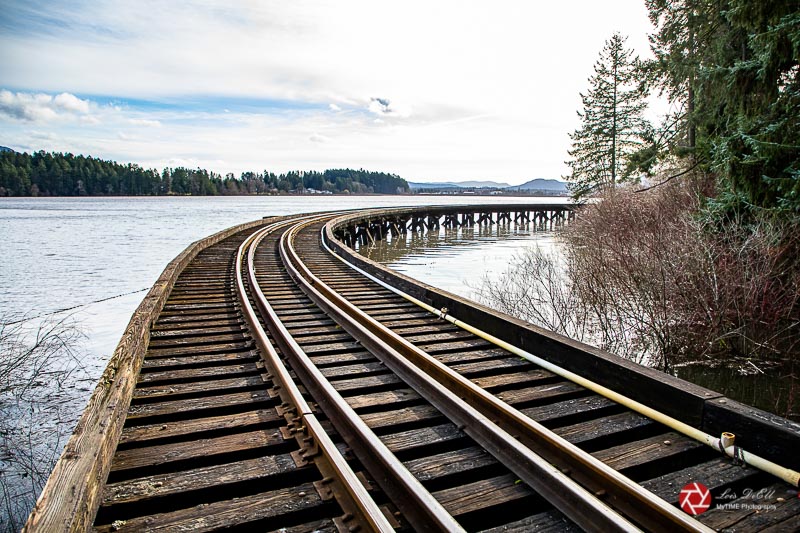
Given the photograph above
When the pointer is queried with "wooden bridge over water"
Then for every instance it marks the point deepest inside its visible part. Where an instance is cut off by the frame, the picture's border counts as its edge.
(274, 379)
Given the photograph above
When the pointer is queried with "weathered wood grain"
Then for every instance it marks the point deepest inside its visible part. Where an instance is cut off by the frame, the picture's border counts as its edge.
(482, 494)
(170, 430)
(222, 514)
(73, 491)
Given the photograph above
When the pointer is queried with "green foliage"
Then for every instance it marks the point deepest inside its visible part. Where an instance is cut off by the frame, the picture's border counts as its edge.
(56, 174)
(612, 127)
(735, 67)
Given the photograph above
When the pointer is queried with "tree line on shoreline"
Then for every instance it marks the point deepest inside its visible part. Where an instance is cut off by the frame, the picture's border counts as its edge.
(58, 174)
(693, 254)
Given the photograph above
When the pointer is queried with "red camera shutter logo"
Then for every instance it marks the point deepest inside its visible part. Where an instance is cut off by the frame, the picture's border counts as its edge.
(695, 498)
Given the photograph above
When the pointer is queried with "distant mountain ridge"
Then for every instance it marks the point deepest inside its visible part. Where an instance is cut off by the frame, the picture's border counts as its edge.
(457, 185)
(537, 184)
(540, 184)
(6, 149)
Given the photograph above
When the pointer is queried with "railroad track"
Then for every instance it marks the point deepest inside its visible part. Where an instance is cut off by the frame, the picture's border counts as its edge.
(282, 390)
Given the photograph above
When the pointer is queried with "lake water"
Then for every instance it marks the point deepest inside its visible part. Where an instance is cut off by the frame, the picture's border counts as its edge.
(459, 259)
(59, 253)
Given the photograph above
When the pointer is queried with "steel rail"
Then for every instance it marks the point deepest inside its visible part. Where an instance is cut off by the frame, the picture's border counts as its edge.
(724, 444)
(635, 501)
(460, 404)
(632, 499)
(416, 503)
(357, 500)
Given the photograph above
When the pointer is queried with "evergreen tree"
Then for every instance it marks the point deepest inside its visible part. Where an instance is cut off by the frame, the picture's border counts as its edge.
(612, 126)
(735, 64)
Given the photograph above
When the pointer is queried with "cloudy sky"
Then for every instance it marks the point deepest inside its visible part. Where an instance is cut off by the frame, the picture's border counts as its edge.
(432, 90)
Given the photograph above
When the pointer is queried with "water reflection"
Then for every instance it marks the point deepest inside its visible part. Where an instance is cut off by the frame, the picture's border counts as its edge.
(458, 259)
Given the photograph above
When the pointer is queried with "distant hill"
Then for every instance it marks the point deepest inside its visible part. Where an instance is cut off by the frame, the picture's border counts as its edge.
(541, 185)
(493, 184)
(458, 185)
(5, 149)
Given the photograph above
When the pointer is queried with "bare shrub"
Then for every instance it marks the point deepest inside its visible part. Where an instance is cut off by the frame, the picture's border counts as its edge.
(536, 289)
(646, 276)
(39, 374)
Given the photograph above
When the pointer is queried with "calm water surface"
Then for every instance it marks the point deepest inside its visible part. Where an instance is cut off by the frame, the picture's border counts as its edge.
(59, 253)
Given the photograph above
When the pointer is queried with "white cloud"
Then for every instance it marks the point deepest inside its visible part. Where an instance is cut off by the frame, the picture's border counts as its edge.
(429, 67)
(317, 138)
(150, 123)
(71, 103)
(40, 107)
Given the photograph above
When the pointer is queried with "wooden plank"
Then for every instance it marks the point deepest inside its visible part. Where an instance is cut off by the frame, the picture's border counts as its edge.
(437, 337)
(195, 406)
(493, 365)
(317, 526)
(777, 507)
(657, 448)
(592, 430)
(310, 340)
(166, 392)
(392, 315)
(456, 346)
(309, 324)
(757, 431)
(184, 309)
(548, 392)
(328, 360)
(571, 411)
(412, 321)
(547, 522)
(411, 331)
(405, 441)
(161, 454)
(470, 355)
(198, 360)
(377, 400)
(211, 329)
(307, 331)
(406, 415)
(143, 489)
(185, 428)
(363, 384)
(517, 379)
(195, 321)
(165, 343)
(354, 370)
(714, 474)
(331, 348)
(482, 494)
(72, 493)
(203, 373)
(449, 463)
(291, 502)
(178, 351)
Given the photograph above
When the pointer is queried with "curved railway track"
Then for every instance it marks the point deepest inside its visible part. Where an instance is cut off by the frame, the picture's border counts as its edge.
(281, 390)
